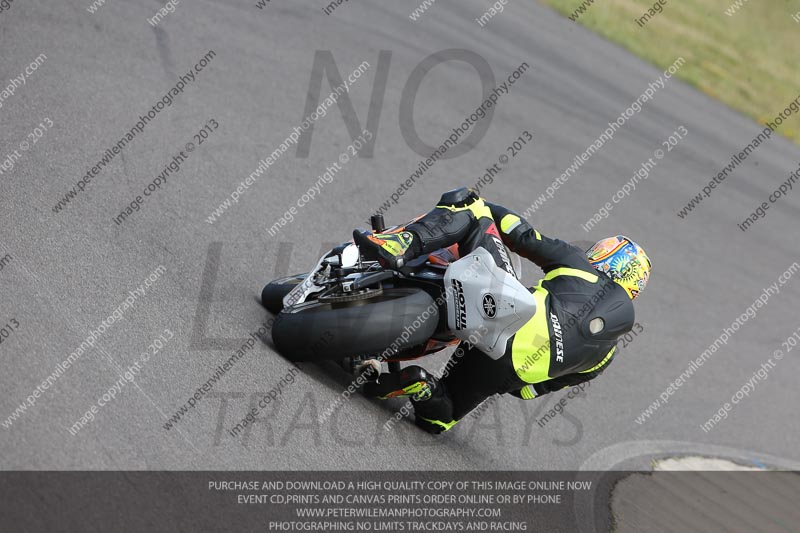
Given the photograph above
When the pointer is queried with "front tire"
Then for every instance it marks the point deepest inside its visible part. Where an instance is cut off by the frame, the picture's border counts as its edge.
(273, 292)
(316, 331)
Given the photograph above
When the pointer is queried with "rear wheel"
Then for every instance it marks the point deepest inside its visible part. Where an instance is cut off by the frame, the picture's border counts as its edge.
(273, 292)
(396, 317)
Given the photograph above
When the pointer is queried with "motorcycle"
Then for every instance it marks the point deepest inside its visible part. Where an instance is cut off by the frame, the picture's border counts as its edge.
(354, 310)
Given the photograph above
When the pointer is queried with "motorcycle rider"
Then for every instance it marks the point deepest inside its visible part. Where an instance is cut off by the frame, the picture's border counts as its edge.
(583, 304)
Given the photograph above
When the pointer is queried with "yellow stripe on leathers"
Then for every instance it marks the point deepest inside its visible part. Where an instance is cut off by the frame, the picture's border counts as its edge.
(478, 208)
(602, 363)
(445, 425)
(530, 350)
(508, 223)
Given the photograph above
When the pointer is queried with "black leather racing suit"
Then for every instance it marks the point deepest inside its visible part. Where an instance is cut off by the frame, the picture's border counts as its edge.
(572, 337)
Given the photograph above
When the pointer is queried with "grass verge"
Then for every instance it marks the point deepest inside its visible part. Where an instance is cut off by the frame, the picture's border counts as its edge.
(741, 52)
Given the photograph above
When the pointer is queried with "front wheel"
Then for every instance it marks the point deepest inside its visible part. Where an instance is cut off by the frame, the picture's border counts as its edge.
(273, 292)
(397, 318)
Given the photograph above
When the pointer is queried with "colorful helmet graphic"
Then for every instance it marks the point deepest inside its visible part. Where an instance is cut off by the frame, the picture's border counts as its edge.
(624, 261)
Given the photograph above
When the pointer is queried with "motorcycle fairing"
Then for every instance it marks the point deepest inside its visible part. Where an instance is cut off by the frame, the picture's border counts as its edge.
(485, 304)
(347, 257)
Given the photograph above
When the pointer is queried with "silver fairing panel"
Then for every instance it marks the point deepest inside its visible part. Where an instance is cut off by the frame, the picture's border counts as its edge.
(485, 304)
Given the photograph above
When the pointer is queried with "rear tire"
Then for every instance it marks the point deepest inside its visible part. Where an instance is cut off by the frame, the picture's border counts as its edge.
(273, 292)
(316, 331)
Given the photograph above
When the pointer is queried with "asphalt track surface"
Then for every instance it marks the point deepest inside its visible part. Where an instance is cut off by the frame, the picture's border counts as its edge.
(70, 270)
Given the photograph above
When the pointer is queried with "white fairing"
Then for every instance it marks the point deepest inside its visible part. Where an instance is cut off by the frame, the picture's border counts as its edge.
(348, 258)
(485, 304)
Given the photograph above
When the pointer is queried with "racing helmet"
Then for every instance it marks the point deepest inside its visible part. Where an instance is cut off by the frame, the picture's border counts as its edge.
(623, 261)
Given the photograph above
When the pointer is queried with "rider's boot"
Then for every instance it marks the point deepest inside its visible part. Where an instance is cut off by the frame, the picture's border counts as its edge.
(392, 250)
(413, 381)
(450, 222)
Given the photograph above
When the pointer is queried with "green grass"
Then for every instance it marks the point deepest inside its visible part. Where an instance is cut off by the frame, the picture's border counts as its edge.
(750, 61)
